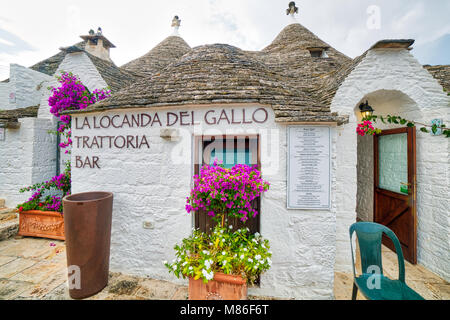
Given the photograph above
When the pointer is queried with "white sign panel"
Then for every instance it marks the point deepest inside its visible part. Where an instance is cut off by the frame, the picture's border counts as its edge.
(2, 134)
(309, 157)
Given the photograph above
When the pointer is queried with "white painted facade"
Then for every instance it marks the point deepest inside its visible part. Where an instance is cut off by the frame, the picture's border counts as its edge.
(24, 88)
(395, 83)
(27, 156)
(152, 185)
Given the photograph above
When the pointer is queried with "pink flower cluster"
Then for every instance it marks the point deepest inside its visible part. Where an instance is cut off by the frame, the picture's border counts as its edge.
(72, 95)
(218, 191)
(365, 128)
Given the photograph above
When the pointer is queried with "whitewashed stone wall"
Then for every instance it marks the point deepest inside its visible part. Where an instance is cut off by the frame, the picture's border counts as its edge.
(151, 185)
(27, 156)
(398, 71)
(25, 84)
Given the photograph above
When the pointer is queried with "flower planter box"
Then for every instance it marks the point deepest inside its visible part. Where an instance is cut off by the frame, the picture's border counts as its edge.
(223, 287)
(41, 224)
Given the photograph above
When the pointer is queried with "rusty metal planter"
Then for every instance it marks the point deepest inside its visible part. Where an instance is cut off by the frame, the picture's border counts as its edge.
(223, 287)
(42, 224)
(87, 222)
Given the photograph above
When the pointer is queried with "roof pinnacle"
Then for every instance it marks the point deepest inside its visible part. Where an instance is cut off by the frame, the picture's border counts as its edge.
(176, 22)
(291, 11)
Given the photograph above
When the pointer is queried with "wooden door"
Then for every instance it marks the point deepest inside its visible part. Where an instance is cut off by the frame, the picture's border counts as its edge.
(395, 187)
(207, 147)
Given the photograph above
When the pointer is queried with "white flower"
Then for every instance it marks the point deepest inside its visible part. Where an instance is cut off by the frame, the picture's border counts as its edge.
(205, 252)
(250, 260)
(208, 275)
(269, 261)
(174, 267)
(223, 240)
(208, 263)
(231, 227)
(242, 257)
(257, 257)
(184, 263)
(245, 249)
(224, 262)
(257, 234)
(224, 253)
(179, 259)
(190, 268)
(164, 262)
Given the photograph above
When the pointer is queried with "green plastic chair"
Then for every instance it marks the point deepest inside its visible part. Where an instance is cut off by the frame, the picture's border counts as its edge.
(372, 283)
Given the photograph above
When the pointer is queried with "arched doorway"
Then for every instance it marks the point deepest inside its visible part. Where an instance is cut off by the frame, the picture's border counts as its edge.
(386, 171)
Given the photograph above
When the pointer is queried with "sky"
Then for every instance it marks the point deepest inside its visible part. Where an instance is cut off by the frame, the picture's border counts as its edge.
(31, 31)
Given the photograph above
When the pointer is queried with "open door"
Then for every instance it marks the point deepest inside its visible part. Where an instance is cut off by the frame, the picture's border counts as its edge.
(395, 187)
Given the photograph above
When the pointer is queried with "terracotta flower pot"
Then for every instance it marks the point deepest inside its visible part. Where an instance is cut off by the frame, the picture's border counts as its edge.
(42, 224)
(223, 287)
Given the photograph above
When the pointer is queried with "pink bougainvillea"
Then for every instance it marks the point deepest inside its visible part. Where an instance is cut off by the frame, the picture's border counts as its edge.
(70, 95)
(219, 191)
(366, 128)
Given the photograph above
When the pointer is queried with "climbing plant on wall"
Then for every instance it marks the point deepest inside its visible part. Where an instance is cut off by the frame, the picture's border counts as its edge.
(70, 95)
(366, 126)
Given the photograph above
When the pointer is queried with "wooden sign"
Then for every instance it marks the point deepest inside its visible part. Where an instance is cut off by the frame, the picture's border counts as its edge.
(308, 172)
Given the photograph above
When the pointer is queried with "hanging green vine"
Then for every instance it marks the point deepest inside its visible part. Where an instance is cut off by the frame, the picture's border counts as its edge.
(409, 123)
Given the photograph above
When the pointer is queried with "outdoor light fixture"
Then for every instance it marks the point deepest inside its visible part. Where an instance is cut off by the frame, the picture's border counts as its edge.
(366, 110)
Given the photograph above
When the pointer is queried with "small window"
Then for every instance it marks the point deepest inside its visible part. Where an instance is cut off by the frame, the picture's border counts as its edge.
(316, 53)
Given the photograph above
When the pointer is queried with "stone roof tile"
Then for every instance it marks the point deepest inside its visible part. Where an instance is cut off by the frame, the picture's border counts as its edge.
(219, 73)
(166, 52)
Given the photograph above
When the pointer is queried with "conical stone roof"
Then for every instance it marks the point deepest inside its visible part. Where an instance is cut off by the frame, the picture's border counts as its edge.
(219, 73)
(295, 40)
(165, 53)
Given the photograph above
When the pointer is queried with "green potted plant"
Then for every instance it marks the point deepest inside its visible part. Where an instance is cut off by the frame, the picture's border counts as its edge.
(221, 263)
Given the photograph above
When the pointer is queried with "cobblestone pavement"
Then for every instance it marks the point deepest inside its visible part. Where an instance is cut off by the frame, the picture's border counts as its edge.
(33, 268)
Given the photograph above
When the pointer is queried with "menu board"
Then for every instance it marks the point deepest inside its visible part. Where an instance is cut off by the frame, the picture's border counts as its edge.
(308, 175)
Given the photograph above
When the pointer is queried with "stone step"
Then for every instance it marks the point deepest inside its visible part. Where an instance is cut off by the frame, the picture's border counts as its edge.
(8, 214)
(9, 228)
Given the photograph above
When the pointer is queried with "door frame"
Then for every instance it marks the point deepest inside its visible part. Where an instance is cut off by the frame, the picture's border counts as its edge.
(412, 187)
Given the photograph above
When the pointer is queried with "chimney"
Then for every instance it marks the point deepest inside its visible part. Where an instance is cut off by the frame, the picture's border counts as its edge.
(98, 45)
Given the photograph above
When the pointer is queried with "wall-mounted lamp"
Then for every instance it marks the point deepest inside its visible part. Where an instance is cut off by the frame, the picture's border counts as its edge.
(366, 110)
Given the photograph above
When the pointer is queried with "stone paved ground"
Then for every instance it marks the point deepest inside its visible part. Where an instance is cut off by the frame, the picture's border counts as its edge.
(33, 268)
(423, 281)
